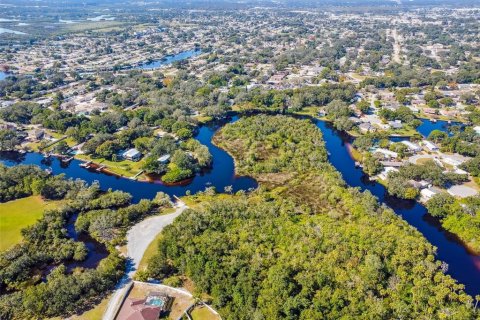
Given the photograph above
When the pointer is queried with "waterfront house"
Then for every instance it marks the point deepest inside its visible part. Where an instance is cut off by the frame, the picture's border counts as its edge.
(384, 174)
(366, 127)
(132, 154)
(164, 159)
(427, 194)
(430, 110)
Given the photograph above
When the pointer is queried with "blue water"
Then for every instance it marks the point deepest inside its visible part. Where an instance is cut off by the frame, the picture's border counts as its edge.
(463, 266)
(3, 75)
(221, 174)
(428, 126)
(169, 59)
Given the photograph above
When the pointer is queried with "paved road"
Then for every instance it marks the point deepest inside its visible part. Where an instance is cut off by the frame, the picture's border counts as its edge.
(138, 239)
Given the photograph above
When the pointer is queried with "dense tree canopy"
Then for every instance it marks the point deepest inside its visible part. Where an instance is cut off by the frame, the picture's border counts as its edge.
(303, 246)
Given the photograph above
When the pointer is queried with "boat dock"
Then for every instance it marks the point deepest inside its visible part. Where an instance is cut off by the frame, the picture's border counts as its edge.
(138, 174)
(86, 164)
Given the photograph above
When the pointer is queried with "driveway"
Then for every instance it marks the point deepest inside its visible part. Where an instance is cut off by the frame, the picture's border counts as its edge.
(138, 239)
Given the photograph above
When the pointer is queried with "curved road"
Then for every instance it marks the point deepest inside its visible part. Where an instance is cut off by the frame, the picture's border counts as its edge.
(138, 239)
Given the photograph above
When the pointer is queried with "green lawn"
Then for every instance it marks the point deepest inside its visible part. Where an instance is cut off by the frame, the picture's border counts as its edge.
(18, 214)
(123, 168)
(203, 313)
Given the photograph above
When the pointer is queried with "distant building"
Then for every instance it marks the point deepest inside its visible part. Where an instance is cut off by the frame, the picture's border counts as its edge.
(132, 154)
(452, 161)
(396, 124)
(384, 174)
(477, 129)
(366, 127)
(387, 153)
(430, 110)
(412, 146)
(430, 145)
(39, 134)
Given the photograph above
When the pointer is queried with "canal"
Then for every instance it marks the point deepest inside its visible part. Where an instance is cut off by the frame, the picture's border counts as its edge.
(221, 175)
(462, 265)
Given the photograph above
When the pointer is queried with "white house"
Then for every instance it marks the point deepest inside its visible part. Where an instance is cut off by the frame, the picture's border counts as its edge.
(164, 159)
(387, 153)
(132, 154)
(430, 145)
(427, 194)
(452, 161)
(477, 129)
(384, 174)
(397, 124)
(412, 146)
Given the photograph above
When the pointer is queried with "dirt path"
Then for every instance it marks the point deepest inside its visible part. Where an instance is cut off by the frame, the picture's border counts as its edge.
(138, 239)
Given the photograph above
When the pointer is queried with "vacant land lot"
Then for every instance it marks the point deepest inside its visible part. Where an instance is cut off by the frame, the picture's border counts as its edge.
(203, 313)
(18, 214)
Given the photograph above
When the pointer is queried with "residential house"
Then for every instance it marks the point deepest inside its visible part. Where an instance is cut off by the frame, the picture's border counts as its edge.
(164, 159)
(412, 146)
(430, 145)
(396, 124)
(428, 193)
(384, 174)
(366, 127)
(477, 129)
(149, 308)
(387, 153)
(132, 154)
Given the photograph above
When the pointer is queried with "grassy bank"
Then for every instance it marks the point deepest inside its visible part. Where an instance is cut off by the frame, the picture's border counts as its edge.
(124, 168)
(18, 214)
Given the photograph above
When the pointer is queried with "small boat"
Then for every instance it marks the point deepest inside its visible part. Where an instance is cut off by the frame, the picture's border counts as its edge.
(49, 170)
(434, 120)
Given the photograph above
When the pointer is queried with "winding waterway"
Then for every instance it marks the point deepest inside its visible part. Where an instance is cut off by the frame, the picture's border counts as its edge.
(221, 175)
(463, 265)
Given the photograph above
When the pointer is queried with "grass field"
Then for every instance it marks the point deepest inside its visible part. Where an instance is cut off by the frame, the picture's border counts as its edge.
(18, 214)
(203, 313)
